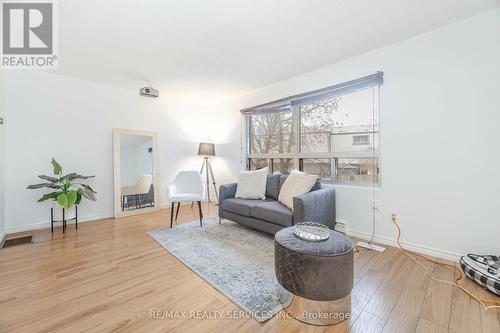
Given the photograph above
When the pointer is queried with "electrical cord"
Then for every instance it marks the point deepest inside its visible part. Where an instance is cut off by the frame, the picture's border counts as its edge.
(454, 269)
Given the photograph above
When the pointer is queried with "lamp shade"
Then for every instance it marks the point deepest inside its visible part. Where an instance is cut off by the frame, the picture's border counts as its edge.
(206, 149)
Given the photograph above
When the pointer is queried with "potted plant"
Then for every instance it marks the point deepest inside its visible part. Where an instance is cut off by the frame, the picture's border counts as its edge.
(68, 190)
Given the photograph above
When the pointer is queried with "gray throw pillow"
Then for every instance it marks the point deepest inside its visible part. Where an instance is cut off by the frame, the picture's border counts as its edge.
(273, 186)
(316, 185)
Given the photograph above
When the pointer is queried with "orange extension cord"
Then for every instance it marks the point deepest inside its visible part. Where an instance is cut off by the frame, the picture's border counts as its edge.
(454, 269)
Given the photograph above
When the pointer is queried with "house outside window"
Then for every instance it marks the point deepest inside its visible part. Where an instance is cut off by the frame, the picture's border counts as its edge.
(361, 139)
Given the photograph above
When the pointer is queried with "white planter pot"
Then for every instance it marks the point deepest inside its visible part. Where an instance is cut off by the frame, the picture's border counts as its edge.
(57, 210)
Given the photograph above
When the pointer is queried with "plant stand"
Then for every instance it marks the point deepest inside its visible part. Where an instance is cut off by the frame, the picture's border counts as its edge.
(52, 221)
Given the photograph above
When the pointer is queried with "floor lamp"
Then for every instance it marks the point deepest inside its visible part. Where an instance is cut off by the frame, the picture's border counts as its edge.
(206, 150)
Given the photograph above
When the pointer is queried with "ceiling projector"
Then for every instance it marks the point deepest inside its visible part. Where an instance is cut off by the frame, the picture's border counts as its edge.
(149, 92)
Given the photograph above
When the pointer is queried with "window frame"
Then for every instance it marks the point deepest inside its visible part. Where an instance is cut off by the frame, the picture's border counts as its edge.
(297, 155)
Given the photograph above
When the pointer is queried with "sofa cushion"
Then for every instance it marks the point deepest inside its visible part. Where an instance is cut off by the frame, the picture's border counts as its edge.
(274, 212)
(252, 184)
(315, 187)
(273, 186)
(241, 206)
(297, 183)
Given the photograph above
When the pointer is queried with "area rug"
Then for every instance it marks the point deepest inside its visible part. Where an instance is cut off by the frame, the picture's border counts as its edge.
(236, 260)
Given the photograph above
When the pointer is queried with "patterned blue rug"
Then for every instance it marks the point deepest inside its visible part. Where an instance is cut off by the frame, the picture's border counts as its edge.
(235, 260)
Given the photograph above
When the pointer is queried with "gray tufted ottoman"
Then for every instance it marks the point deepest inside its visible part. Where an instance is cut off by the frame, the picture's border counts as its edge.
(319, 274)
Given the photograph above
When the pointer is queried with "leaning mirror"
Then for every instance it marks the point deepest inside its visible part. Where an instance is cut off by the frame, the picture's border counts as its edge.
(135, 172)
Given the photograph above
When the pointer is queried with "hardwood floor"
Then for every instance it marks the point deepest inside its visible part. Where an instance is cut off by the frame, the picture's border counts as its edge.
(110, 276)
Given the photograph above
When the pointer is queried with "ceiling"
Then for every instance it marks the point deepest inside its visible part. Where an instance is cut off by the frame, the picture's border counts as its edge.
(228, 47)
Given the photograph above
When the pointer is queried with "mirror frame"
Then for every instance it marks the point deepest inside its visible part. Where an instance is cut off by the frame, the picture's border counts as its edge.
(117, 133)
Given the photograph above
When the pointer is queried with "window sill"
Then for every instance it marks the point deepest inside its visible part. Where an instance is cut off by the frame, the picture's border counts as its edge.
(356, 186)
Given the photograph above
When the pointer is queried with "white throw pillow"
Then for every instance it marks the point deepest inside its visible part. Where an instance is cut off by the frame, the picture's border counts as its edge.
(296, 183)
(252, 184)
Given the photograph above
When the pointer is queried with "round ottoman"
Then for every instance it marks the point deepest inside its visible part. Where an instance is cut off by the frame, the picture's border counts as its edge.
(319, 274)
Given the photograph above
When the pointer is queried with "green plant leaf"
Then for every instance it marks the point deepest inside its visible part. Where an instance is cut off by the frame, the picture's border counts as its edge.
(72, 197)
(57, 167)
(37, 186)
(89, 188)
(72, 176)
(88, 194)
(78, 197)
(67, 199)
(68, 176)
(83, 177)
(62, 199)
(49, 178)
(51, 195)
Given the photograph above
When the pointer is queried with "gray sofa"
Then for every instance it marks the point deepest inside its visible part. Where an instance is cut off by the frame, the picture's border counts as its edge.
(270, 215)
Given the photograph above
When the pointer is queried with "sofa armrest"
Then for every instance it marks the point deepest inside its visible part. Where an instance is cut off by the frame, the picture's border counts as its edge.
(226, 191)
(316, 206)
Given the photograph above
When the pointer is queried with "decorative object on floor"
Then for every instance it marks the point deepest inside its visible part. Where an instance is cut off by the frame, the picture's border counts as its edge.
(320, 275)
(187, 187)
(311, 231)
(135, 162)
(252, 184)
(270, 215)
(68, 193)
(235, 260)
(65, 218)
(483, 269)
(206, 150)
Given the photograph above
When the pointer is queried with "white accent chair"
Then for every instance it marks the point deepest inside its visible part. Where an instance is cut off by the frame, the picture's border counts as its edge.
(141, 188)
(187, 187)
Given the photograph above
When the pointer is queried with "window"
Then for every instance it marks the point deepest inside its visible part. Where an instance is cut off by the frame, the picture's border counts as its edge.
(318, 166)
(357, 170)
(360, 139)
(272, 133)
(257, 163)
(332, 132)
(317, 121)
(282, 165)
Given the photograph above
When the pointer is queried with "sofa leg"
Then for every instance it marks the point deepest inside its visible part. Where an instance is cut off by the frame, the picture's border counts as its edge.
(172, 215)
(201, 214)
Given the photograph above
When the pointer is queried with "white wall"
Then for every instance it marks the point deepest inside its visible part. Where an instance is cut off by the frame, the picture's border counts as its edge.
(439, 113)
(72, 120)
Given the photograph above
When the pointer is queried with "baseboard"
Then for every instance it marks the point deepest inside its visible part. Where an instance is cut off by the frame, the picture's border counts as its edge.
(340, 227)
(438, 253)
(44, 225)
